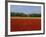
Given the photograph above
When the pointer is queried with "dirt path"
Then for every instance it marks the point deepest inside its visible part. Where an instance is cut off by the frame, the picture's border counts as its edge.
(26, 17)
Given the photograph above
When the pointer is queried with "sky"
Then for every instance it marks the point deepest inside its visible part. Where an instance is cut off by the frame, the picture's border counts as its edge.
(25, 9)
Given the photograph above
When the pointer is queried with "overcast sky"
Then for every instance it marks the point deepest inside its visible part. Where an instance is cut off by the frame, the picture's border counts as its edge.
(25, 9)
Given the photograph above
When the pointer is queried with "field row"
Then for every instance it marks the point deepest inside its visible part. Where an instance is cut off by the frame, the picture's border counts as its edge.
(25, 24)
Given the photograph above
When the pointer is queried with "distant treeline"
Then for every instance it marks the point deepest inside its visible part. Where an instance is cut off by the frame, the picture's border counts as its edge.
(24, 15)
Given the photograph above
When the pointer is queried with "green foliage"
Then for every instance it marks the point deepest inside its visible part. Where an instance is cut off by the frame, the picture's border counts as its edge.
(35, 15)
(13, 14)
(24, 15)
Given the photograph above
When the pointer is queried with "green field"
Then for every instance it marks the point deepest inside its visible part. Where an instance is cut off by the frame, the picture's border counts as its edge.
(17, 14)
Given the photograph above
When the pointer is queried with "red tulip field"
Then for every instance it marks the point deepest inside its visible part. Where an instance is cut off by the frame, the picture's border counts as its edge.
(25, 24)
